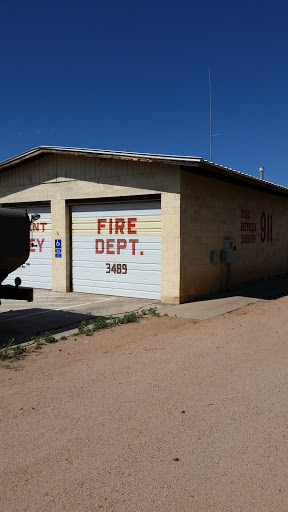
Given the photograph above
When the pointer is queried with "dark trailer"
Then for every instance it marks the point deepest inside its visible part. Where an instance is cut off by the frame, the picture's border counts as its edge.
(15, 249)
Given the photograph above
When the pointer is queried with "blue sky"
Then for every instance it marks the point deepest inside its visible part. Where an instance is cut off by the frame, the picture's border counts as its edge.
(133, 76)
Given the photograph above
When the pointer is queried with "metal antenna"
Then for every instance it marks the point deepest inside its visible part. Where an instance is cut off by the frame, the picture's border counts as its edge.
(211, 134)
(210, 95)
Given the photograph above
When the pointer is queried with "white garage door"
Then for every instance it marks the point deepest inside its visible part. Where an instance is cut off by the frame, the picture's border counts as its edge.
(37, 271)
(116, 249)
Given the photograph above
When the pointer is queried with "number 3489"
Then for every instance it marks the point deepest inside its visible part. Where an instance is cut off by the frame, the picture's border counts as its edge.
(117, 268)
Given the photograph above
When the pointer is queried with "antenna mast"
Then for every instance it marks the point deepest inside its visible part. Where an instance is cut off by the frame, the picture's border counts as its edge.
(210, 95)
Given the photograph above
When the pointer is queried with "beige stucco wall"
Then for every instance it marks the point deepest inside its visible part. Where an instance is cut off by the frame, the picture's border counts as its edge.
(211, 210)
(62, 178)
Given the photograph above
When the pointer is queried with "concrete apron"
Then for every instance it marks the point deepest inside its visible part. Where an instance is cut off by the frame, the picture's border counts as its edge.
(235, 299)
(207, 308)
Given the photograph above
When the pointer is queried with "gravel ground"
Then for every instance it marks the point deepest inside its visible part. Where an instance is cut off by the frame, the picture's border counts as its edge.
(164, 415)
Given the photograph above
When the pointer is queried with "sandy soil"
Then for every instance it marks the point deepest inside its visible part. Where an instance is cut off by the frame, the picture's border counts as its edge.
(165, 415)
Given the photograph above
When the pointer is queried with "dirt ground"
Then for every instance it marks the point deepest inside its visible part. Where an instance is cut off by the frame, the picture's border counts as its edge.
(165, 415)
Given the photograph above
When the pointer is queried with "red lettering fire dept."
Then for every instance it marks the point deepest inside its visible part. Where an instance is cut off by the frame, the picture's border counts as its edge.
(115, 246)
(118, 226)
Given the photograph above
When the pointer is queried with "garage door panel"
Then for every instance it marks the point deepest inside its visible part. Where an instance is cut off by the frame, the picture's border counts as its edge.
(37, 271)
(113, 289)
(117, 209)
(30, 280)
(89, 241)
(145, 225)
(147, 267)
(89, 251)
(134, 276)
(117, 249)
(114, 285)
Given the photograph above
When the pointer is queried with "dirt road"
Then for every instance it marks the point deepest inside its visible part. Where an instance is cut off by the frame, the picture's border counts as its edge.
(165, 415)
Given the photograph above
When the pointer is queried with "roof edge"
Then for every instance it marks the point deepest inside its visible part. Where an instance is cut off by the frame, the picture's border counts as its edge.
(183, 161)
(102, 153)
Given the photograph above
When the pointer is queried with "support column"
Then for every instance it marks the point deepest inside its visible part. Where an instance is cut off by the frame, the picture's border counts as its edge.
(60, 230)
(170, 248)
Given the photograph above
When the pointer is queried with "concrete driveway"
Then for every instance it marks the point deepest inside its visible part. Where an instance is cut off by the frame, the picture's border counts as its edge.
(59, 312)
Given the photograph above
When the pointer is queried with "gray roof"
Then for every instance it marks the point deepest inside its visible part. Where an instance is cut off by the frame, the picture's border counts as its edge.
(204, 166)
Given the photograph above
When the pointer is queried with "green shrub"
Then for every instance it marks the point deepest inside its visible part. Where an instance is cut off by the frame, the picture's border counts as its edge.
(18, 351)
(49, 338)
(5, 352)
(100, 323)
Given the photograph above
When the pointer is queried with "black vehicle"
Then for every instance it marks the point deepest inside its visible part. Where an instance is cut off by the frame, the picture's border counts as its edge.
(15, 250)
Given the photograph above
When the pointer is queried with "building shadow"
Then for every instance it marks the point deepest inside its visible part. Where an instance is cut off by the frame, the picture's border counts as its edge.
(24, 324)
(266, 289)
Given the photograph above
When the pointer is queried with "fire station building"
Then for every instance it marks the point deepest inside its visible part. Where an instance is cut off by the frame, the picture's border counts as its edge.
(140, 225)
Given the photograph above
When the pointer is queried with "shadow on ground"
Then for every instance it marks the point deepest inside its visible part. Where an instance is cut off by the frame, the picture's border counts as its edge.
(266, 289)
(36, 321)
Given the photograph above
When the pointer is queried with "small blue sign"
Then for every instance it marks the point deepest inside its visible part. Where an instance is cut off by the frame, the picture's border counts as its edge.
(58, 243)
(58, 255)
(58, 250)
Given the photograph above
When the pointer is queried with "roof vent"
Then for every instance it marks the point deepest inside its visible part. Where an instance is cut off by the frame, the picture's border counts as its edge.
(261, 172)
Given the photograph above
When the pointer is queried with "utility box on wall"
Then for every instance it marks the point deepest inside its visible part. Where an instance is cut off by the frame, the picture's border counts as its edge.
(228, 253)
